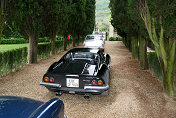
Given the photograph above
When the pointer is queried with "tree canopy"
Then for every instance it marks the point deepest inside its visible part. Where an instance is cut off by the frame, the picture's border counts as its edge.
(90, 17)
(25, 17)
(50, 19)
(35, 18)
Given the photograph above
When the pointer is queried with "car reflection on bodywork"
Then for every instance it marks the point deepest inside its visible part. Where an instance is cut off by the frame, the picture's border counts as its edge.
(80, 71)
(21, 107)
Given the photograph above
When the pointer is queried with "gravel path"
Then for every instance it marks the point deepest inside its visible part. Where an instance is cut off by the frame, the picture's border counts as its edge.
(134, 93)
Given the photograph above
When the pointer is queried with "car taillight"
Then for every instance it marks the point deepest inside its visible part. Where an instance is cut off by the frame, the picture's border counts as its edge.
(51, 80)
(100, 82)
(46, 79)
(94, 82)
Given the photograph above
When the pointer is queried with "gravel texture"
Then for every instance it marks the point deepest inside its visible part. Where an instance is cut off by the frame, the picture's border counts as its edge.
(134, 93)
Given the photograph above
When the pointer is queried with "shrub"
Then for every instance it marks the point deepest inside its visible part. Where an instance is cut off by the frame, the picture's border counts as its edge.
(58, 45)
(69, 43)
(21, 41)
(115, 39)
(79, 41)
(154, 64)
(12, 60)
(127, 43)
(45, 39)
(14, 41)
(44, 49)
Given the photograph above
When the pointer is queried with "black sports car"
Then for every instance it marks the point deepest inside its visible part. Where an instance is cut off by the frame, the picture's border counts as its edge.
(81, 71)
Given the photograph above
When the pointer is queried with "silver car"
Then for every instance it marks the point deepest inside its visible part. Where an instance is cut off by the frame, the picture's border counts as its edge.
(93, 41)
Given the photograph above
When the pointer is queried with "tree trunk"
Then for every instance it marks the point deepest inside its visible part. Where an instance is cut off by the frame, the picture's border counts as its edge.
(1, 29)
(128, 43)
(165, 51)
(33, 45)
(78, 40)
(74, 41)
(143, 53)
(168, 82)
(65, 43)
(134, 44)
(52, 39)
(168, 67)
(174, 79)
(2, 17)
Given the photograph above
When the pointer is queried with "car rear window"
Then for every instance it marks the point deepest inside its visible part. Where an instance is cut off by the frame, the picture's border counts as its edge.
(90, 37)
(81, 55)
(94, 37)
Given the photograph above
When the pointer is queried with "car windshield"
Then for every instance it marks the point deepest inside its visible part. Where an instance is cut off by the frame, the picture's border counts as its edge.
(80, 55)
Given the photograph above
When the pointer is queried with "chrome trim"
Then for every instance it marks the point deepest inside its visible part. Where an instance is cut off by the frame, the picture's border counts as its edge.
(100, 66)
(57, 65)
(84, 68)
(65, 116)
(109, 66)
(96, 87)
(50, 84)
(72, 75)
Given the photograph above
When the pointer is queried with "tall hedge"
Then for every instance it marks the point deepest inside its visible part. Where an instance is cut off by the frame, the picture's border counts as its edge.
(44, 49)
(12, 60)
(154, 64)
(14, 41)
(21, 41)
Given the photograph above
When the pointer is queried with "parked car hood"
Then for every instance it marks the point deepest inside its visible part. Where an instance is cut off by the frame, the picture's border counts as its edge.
(74, 68)
(20, 107)
(17, 107)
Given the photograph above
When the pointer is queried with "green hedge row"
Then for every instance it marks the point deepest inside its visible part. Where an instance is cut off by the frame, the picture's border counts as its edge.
(78, 42)
(21, 41)
(44, 49)
(45, 39)
(115, 39)
(12, 60)
(127, 43)
(14, 41)
(154, 65)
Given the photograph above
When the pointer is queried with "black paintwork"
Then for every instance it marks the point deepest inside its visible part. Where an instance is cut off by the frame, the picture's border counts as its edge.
(87, 64)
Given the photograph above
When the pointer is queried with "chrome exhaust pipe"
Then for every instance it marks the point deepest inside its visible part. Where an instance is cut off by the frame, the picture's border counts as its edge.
(59, 93)
(87, 96)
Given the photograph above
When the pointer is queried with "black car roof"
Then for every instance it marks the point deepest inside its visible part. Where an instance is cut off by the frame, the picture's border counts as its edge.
(93, 50)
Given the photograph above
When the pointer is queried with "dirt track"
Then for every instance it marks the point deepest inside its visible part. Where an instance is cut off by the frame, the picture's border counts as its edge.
(134, 93)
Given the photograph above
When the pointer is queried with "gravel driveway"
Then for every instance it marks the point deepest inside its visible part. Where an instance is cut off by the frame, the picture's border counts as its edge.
(134, 93)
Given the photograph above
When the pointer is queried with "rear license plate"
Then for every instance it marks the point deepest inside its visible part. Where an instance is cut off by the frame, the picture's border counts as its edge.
(71, 82)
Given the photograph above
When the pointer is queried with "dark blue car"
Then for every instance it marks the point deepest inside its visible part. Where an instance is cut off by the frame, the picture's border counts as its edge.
(20, 107)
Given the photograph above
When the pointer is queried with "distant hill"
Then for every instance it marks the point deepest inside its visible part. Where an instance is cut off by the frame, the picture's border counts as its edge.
(102, 14)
